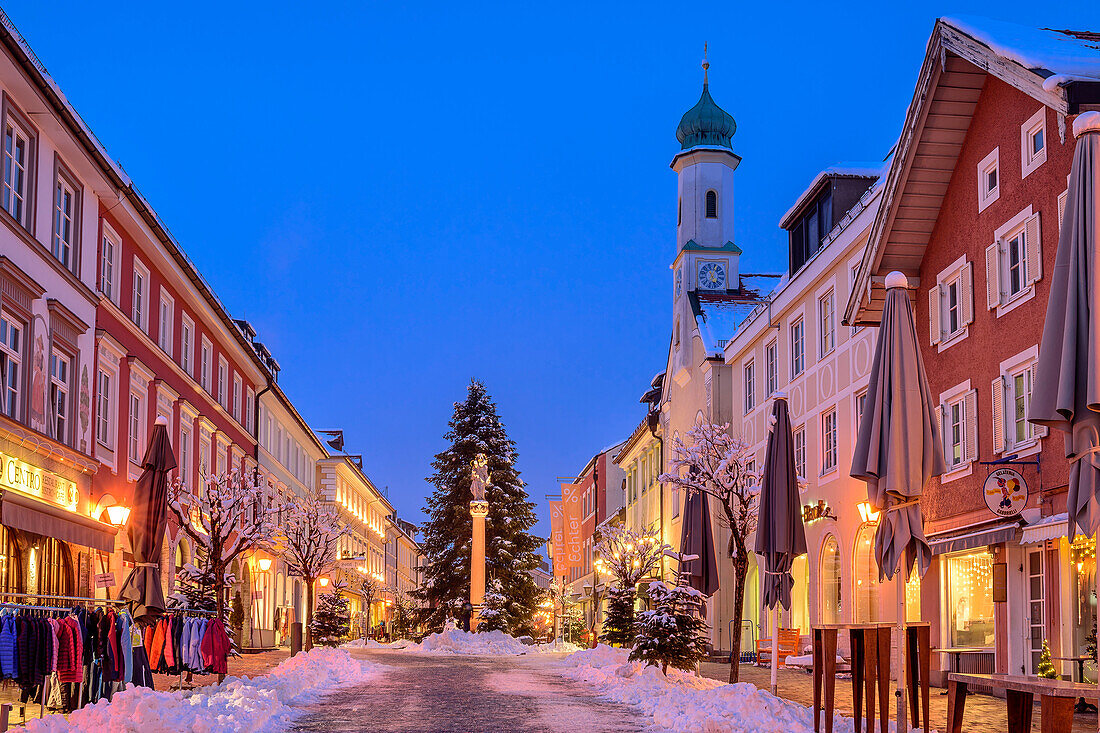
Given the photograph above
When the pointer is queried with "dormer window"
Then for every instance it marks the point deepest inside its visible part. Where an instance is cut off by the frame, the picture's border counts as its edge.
(712, 205)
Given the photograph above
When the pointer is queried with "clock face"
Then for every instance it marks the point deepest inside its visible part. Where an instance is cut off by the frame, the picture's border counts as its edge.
(712, 276)
(679, 274)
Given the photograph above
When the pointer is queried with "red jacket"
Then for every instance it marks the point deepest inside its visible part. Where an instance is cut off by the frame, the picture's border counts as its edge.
(215, 647)
(69, 653)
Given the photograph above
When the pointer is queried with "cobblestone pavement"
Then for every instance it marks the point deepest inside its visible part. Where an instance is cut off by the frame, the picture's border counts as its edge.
(460, 694)
(984, 713)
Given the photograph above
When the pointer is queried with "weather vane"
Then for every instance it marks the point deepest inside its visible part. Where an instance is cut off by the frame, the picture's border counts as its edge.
(706, 64)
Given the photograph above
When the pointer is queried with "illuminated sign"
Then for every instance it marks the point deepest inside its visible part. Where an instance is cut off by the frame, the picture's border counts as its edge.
(820, 510)
(1005, 492)
(33, 481)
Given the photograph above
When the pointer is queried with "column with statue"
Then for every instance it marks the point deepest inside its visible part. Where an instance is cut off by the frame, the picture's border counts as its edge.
(479, 510)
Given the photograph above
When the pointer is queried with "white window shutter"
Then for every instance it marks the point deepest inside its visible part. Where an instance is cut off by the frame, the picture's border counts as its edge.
(940, 419)
(1034, 250)
(935, 324)
(999, 415)
(966, 287)
(970, 412)
(1062, 208)
(992, 275)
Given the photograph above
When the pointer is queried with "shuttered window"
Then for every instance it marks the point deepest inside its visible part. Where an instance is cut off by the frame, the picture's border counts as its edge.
(951, 303)
(1014, 263)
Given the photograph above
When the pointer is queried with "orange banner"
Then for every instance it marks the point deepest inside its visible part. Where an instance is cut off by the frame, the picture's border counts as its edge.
(557, 538)
(574, 545)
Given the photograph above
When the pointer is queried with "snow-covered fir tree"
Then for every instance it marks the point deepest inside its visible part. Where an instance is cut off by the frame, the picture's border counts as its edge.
(672, 634)
(332, 619)
(629, 555)
(618, 622)
(494, 609)
(474, 428)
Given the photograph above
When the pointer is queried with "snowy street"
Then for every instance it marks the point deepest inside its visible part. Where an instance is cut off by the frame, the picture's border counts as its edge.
(467, 693)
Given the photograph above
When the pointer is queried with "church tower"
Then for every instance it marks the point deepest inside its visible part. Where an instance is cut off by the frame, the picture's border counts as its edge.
(706, 257)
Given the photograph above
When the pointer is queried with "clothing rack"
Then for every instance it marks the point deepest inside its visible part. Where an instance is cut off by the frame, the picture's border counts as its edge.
(35, 607)
(74, 599)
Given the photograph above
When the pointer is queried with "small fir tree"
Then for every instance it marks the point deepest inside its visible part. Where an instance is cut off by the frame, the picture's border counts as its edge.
(1046, 668)
(332, 619)
(671, 634)
(1090, 643)
(475, 428)
(572, 625)
(618, 624)
(494, 609)
(236, 616)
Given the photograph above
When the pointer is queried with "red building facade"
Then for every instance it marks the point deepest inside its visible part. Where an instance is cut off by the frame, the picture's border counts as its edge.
(971, 214)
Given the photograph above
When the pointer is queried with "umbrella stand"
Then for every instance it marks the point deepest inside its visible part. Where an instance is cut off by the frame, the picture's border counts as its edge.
(775, 650)
(901, 688)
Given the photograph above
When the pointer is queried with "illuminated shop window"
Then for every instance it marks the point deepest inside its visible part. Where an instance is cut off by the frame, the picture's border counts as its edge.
(970, 599)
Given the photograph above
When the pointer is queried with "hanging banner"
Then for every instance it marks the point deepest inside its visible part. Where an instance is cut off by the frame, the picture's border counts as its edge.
(574, 545)
(557, 538)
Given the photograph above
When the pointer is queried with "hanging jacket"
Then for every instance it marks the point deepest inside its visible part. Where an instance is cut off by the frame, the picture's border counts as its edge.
(156, 652)
(111, 671)
(149, 634)
(196, 643)
(7, 647)
(126, 647)
(78, 643)
(55, 640)
(185, 644)
(215, 647)
(69, 668)
(169, 656)
(39, 652)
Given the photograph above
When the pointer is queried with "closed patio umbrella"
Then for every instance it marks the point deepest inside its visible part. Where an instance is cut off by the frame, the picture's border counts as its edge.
(897, 451)
(1066, 395)
(780, 533)
(145, 527)
(698, 565)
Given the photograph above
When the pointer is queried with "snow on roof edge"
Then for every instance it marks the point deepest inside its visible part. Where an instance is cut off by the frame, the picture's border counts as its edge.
(849, 170)
(1034, 49)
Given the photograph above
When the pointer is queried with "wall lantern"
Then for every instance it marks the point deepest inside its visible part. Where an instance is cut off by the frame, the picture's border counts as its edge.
(118, 514)
(265, 564)
(867, 512)
(324, 582)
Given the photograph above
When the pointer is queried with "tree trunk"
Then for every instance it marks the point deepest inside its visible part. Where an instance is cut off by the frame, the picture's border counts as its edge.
(741, 571)
(307, 632)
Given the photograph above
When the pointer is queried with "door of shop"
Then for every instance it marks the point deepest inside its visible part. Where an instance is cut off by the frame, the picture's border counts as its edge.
(1036, 598)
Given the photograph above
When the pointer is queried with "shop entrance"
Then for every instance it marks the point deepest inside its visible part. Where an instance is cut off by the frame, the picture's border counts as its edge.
(1036, 599)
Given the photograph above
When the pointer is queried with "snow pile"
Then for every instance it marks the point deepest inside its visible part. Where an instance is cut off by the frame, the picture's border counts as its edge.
(456, 641)
(559, 645)
(239, 704)
(685, 702)
(372, 644)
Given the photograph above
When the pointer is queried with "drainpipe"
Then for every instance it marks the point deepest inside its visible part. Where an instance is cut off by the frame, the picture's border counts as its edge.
(256, 419)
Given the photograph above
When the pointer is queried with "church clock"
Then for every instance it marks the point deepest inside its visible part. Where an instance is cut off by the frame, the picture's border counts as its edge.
(712, 276)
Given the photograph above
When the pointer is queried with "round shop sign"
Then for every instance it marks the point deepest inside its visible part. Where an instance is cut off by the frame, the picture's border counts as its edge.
(1005, 492)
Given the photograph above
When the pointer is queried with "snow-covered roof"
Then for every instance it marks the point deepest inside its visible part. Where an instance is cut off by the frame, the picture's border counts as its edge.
(840, 170)
(719, 315)
(1065, 54)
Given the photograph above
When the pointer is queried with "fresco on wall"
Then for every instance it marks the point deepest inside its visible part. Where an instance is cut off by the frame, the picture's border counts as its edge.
(38, 384)
(85, 409)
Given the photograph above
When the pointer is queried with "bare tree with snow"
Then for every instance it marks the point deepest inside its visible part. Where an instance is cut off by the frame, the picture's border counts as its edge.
(308, 538)
(230, 516)
(628, 555)
(716, 463)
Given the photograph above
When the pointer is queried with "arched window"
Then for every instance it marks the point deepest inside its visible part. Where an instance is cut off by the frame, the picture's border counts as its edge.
(866, 574)
(679, 211)
(712, 204)
(183, 556)
(830, 582)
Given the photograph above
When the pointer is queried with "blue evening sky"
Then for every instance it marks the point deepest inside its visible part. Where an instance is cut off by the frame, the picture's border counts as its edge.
(402, 196)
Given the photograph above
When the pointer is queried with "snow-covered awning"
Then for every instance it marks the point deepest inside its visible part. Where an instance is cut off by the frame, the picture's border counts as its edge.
(1046, 528)
(993, 535)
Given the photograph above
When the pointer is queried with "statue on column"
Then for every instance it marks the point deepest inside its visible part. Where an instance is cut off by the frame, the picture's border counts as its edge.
(480, 477)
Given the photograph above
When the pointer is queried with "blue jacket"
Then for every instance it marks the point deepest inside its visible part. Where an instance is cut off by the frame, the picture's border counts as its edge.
(8, 656)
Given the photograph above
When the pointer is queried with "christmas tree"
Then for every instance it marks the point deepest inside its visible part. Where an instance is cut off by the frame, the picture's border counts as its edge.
(475, 428)
(618, 623)
(672, 634)
(1046, 667)
(332, 619)
(494, 609)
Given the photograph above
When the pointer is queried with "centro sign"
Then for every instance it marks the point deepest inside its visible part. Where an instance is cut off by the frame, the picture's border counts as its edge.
(1005, 492)
(27, 479)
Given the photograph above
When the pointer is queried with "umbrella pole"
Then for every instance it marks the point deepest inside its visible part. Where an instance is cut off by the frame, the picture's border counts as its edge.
(901, 688)
(775, 650)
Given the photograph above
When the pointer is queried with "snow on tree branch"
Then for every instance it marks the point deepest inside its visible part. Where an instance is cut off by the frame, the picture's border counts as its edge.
(630, 555)
(230, 516)
(309, 536)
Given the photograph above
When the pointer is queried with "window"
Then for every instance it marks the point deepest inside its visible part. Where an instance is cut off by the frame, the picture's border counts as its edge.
(1013, 263)
(1019, 396)
(800, 451)
(1011, 400)
(828, 441)
(771, 368)
(712, 205)
(164, 326)
(810, 230)
(17, 168)
(866, 575)
(108, 254)
(675, 494)
(237, 398)
(798, 348)
(249, 409)
(206, 365)
(831, 602)
(951, 303)
(855, 280)
(187, 344)
(204, 456)
(750, 387)
(989, 189)
(137, 431)
(139, 308)
(66, 218)
(861, 402)
(185, 456)
(970, 599)
(11, 363)
(826, 308)
(1033, 142)
(59, 395)
(679, 211)
(103, 411)
(956, 431)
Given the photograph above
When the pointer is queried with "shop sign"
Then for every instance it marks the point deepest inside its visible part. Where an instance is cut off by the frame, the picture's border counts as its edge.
(1005, 492)
(105, 580)
(820, 510)
(257, 595)
(21, 476)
